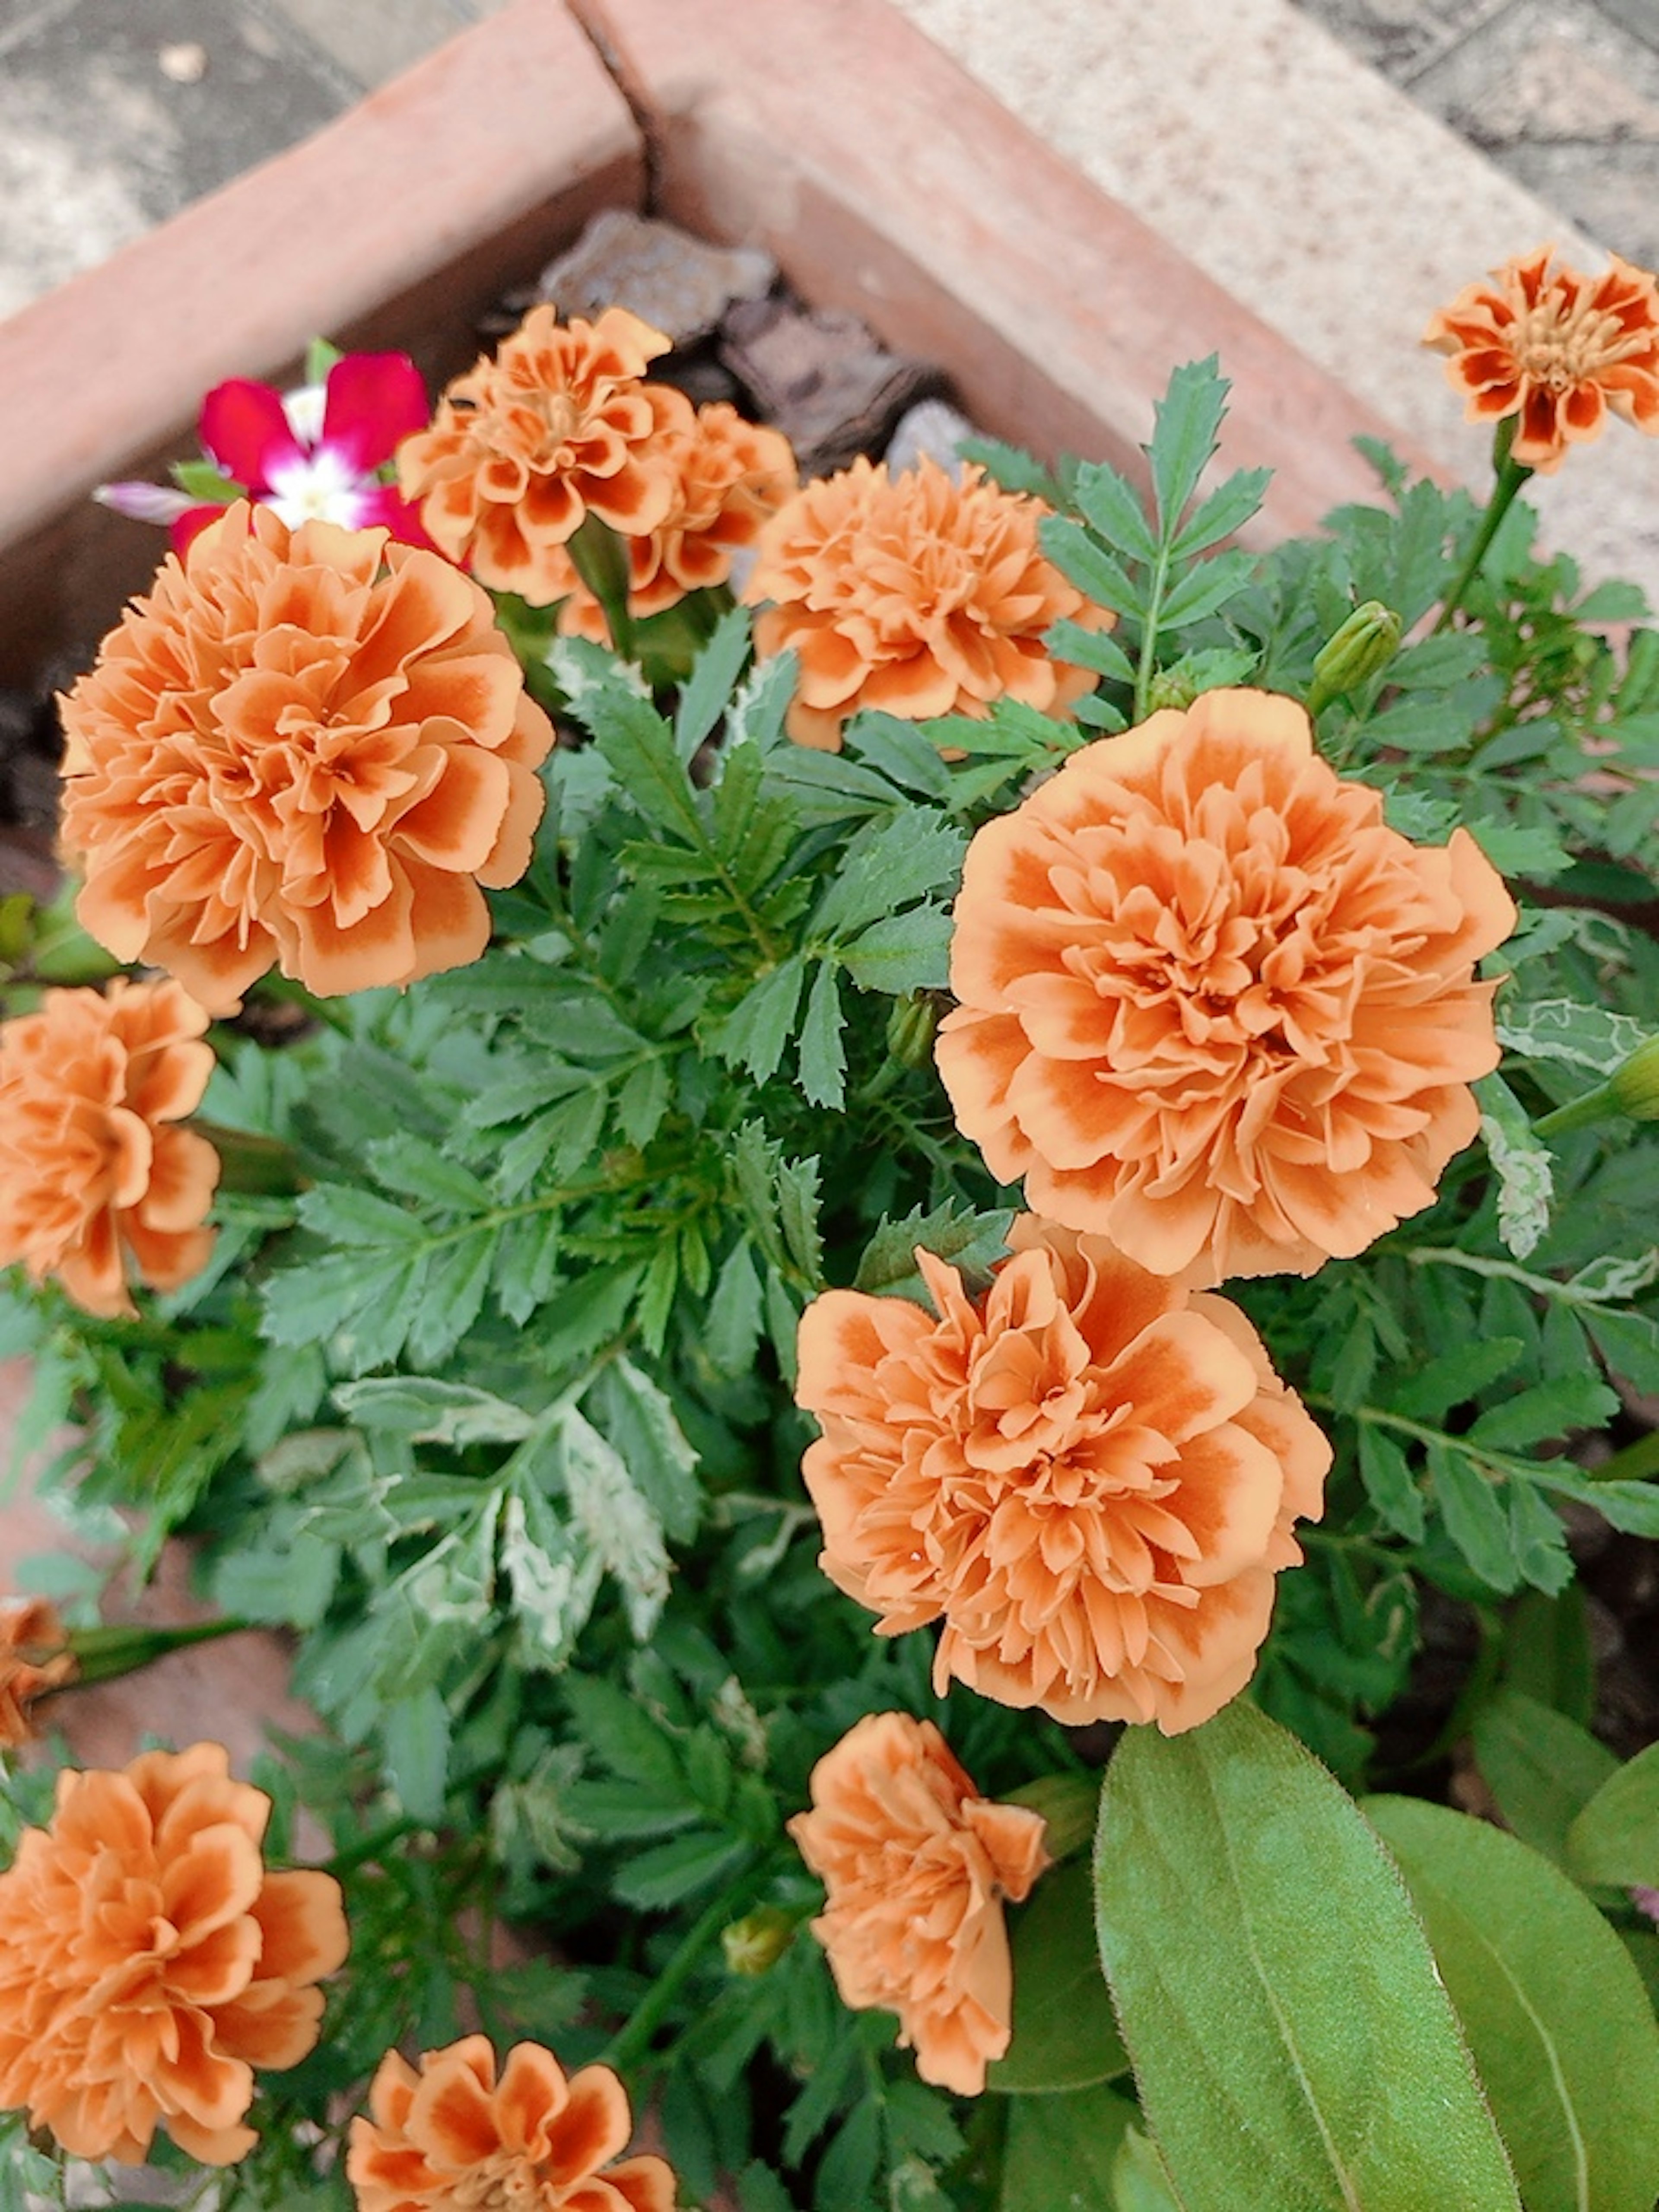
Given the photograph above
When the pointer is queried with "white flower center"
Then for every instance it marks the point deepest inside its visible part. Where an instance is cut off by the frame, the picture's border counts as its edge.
(320, 487)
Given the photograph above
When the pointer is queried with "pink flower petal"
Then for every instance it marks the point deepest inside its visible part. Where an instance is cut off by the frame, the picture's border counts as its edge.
(244, 429)
(384, 508)
(191, 524)
(144, 502)
(375, 400)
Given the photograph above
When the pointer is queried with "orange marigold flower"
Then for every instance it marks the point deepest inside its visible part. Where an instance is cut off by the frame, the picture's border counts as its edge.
(34, 1658)
(453, 2137)
(1212, 1007)
(1089, 1475)
(915, 594)
(149, 1963)
(916, 1864)
(307, 747)
(95, 1181)
(730, 475)
(1555, 349)
(524, 447)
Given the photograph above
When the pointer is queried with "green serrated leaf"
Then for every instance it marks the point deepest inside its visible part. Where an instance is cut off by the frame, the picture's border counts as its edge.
(1086, 562)
(761, 1024)
(1474, 1516)
(657, 1878)
(889, 865)
(735, 1317)
(1188, 420)
(1227, 509)
(972, 1243)
(706, 692)
(903, 952)
(822, 1059)
(1593, 1037)
(1523, 1166)
(1389, 1483)
(1205, 586)
(638, 1417)
(1110, 504)
(1230, 1873)
(431, 1411)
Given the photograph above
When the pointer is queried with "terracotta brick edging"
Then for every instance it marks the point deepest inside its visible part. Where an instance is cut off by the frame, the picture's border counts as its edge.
(394, 225)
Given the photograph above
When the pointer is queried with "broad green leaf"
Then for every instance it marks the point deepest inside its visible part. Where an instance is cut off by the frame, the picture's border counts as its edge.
(1275, 1989)
(1615, 1838)
(1556, 2015)
(732, 1323)
(662, 1876)
(902, 952)
(1546, 1652)
(1542, 1768)
(888, 866)
(1081, 558)
(1629, 1342)
(1061, 2151)
(1065, 2036)
(760, 1026)
(1140, 2177)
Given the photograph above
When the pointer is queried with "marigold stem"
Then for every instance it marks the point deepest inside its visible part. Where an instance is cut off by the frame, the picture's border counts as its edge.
(253, 1164)
(1511, 474)
(102, 1653)
(632, 2040)
(1578, 1113)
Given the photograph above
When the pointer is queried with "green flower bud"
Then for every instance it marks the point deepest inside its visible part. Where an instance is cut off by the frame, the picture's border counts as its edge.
(910, 1028)
(1634, 1082)
(1069, 1804)
(1363, 648)
(1170, 687)
(1633, 1089)
(753, 1944)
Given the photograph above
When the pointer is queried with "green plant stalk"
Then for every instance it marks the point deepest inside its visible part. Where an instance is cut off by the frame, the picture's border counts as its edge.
(632, 2040)
(600, 559)
(292, 993)
(1510, 475)
(1635, 1463)
(101, 1654)
(252, 1164)
(1578, 1113)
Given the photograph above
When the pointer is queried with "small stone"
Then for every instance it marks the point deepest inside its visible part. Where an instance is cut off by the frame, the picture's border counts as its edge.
(659, 273)
(183, 64)
(822, 378)
(934, 427)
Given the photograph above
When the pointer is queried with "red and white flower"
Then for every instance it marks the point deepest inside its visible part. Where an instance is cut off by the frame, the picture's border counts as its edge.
(317, 454)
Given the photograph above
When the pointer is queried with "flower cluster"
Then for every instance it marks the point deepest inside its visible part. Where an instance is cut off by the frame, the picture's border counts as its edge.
(917, 594)
(149, 1962)
(915, 1864)
(558, 426)
(308, 747)
(98, 1183)
(455, 2135)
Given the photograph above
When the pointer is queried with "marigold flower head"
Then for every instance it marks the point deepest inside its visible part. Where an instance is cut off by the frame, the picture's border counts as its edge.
(1211, 1006)
(308, 748)
(730, 476)
(558, 426)
(1088, 1475)
(34, 1658)
(917, 594)
(97, 1184)
(149, 1963)
(453, 2138)
(1554, 349)
(916, 1864)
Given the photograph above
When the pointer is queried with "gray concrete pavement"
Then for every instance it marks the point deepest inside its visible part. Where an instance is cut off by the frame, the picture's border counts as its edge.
(1343, 166)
